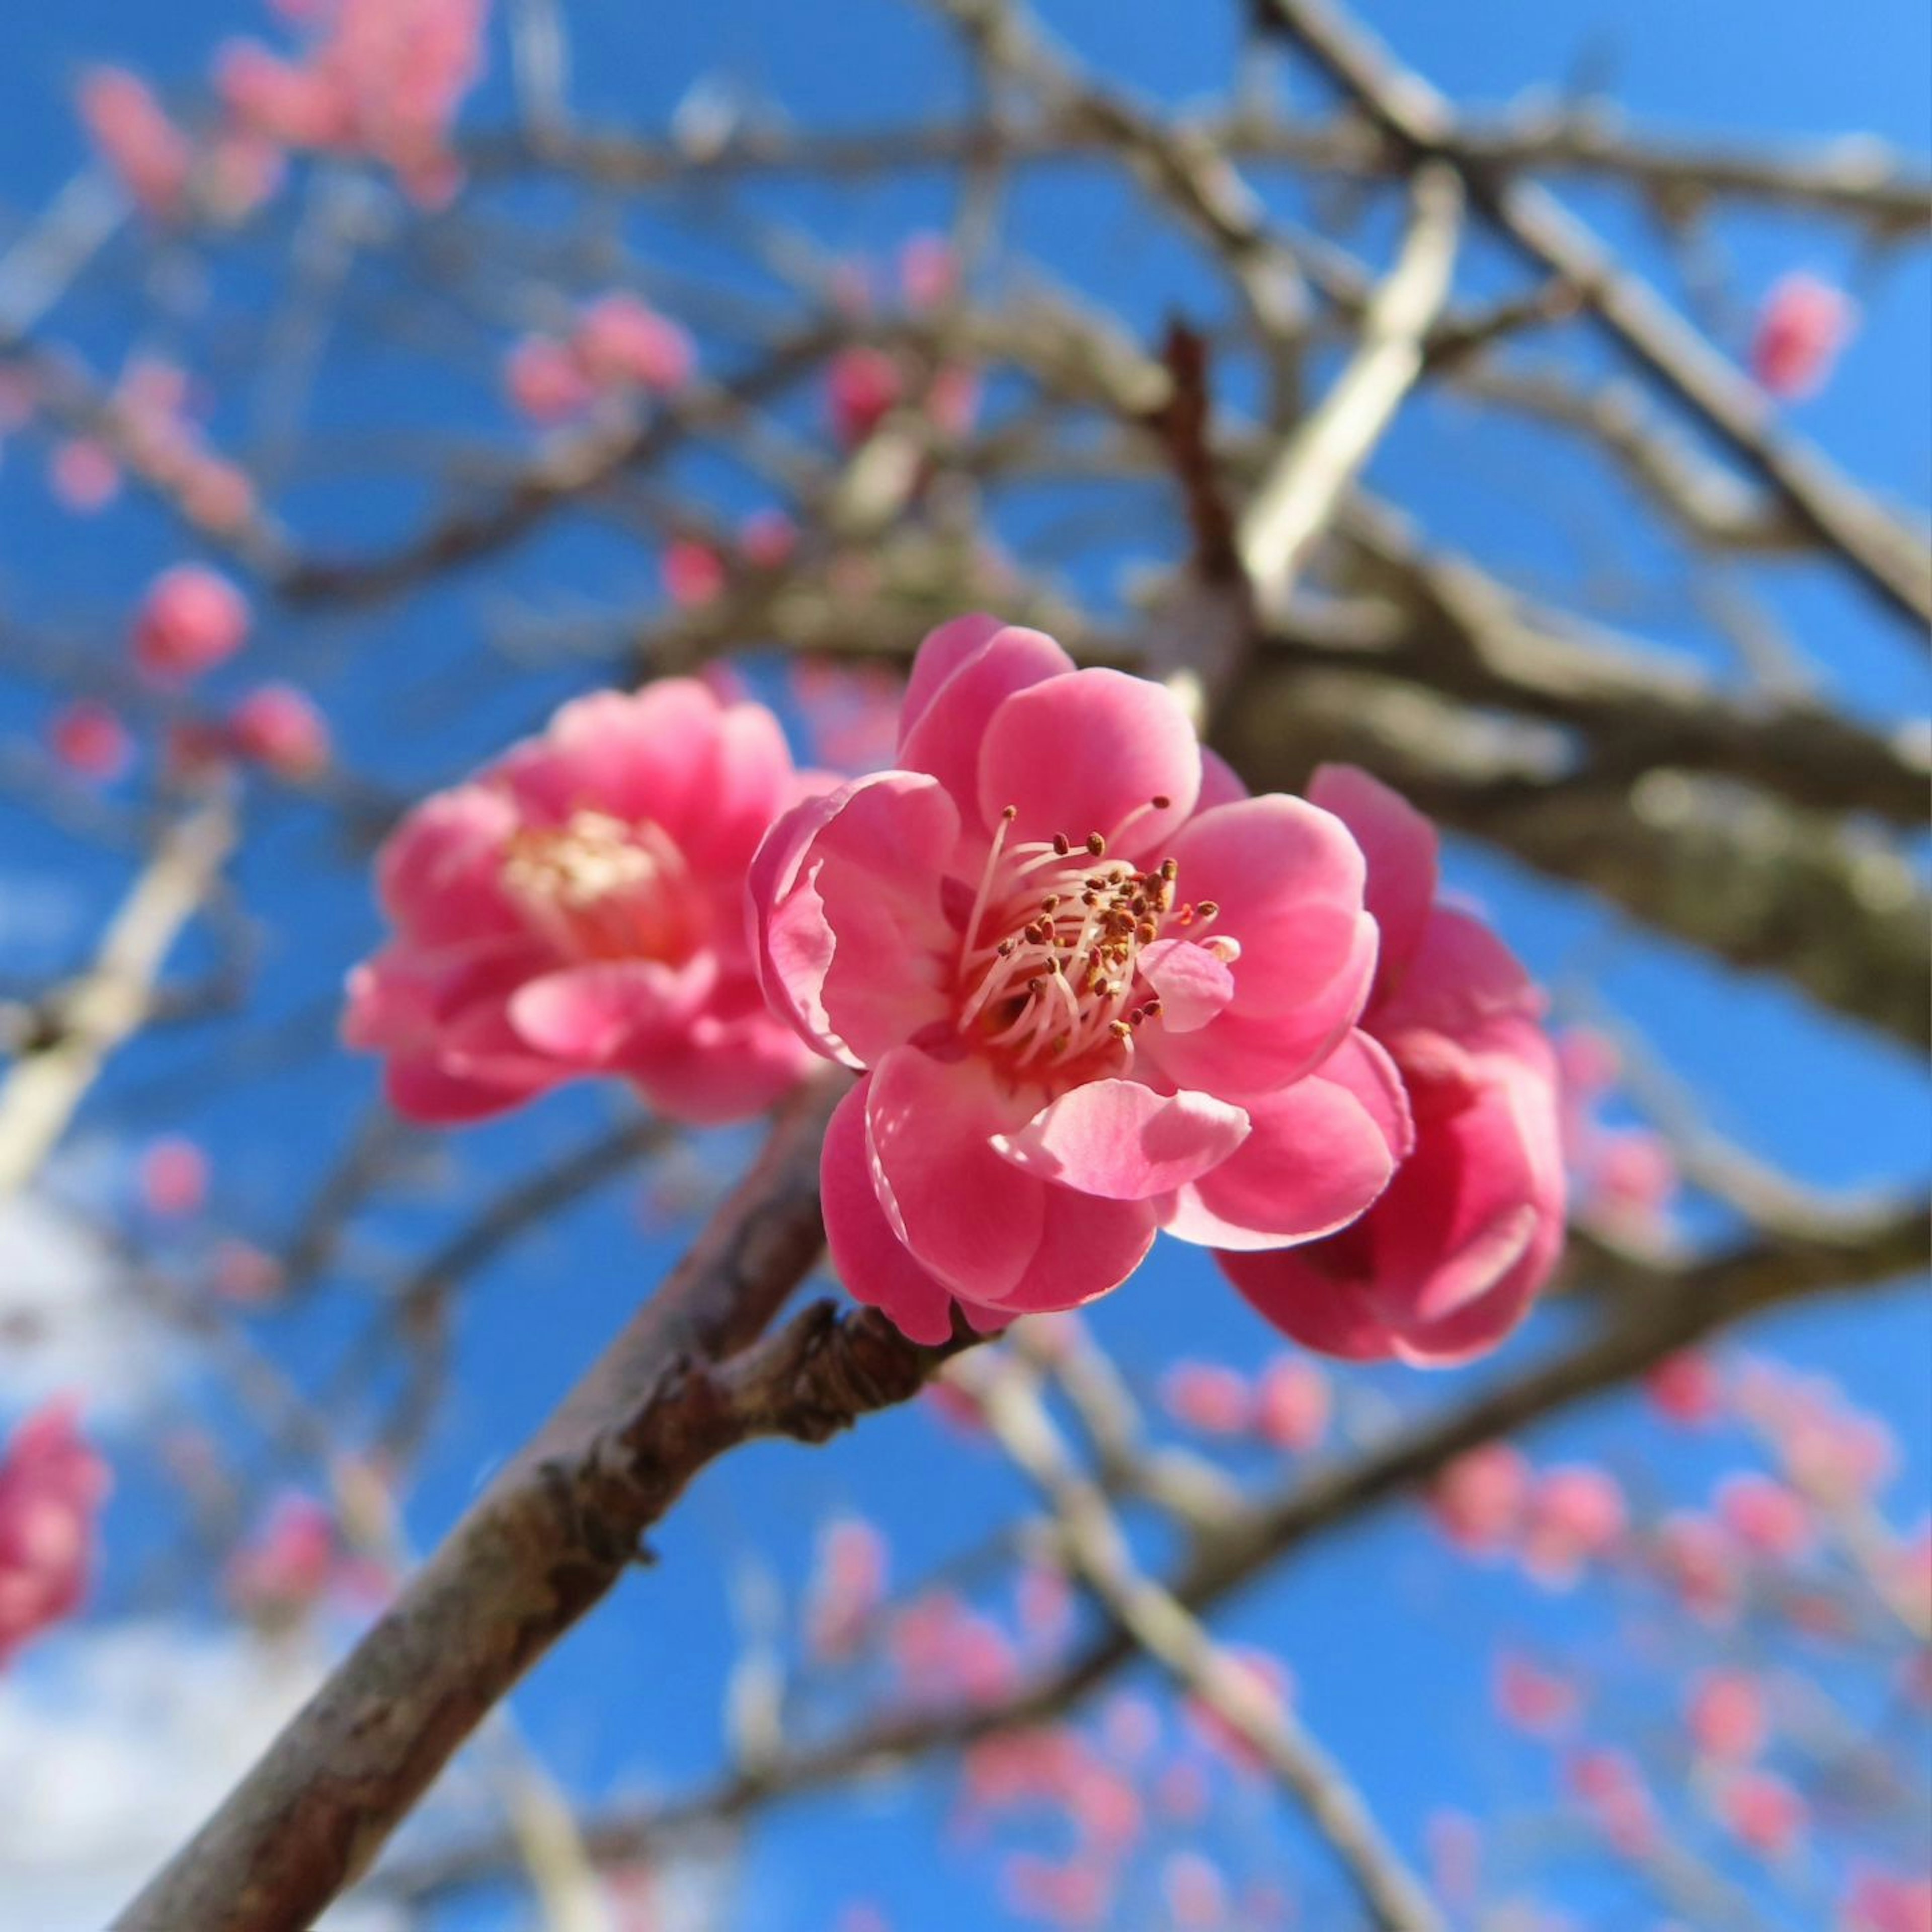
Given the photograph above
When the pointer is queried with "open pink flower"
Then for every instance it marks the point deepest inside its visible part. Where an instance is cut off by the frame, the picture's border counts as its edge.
(1725, 1715)
(1449, 1258)
(90, 740)
(577, 909)
(52, 1486)
(1096, 990)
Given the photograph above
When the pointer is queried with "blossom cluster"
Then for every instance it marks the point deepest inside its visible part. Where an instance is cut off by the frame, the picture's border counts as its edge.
(1092, 989)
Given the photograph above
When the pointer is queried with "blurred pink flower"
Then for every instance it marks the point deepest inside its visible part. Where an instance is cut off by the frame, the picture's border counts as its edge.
(1725, 1716)
(284, 1569)
(1577, 1514)
(694, 573)
(847, 1587)
(150, 156)
(1531, 1700)
(1195, 1892)
(90, 740)
(1292, 1404)
(577, 909)
(1207, 1397)
(621, 342)
(863, 385)
(1480, 1500)
(1686, 1388)
(1062, 1053)
(1879, 1901)
(1612, 1791)
(172, 1177)
(1764, 1812)
(544, 381)
(1767, 1518)
(1803, 326)
(1449, 1260)
(82, 475)
(52, 1486)
(929, 270)
(280, 727)
(191, 619)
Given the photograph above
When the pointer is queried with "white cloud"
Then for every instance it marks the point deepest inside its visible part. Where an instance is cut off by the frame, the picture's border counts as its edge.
(115, 1742)
(70, 1323)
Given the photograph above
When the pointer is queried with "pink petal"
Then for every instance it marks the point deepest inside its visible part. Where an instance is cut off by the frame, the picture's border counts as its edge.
(1220, 783)
(1087, 1247)
(1123, 1141)
(440, 875)
(944, 724)
(1320, 1152)
(1462, 981)
(870, 1259)
(1085, 751)
(587, 1016)
(420, 1088)
(940, 653)
(967, 1215)
(1194, 984)
(1399, 845)
(791, 943)
(1288, 880)
(719, 1070)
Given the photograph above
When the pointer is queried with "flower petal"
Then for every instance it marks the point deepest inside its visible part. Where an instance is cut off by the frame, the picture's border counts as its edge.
(587, 1016)
(1399, 845)
(967, 1215)
(1321, 1151)
(1123, 1141)
(870, 1258)
(1194, 984)
(1088, 1247)
(944, 723)
(1086, 751)
(1288, 880)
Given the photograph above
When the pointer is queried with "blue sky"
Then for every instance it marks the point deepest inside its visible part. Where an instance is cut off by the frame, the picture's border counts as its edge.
(1376, 1625)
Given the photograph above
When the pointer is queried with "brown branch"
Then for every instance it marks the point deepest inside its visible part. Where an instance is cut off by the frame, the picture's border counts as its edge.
(685, 1381)
(1650, 1314)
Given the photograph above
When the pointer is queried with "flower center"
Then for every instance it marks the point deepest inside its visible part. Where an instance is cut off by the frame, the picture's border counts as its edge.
(600, 887)
(1065, 979)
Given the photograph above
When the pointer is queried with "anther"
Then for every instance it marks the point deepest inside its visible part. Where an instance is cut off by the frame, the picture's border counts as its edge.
(1095, 844)
(1062, 845)
(1161, 801)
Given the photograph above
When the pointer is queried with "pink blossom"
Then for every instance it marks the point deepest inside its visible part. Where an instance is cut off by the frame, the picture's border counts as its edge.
(1533, 1700)
(1448, 1262)
(1095, 990)
(1130, 1727)
(1879, 1901)
(1613, 1792)
(1195, 1892)
(1686, 1388)
(91, 741)
(621, 342)
(191, 619)
(1291, 1405)
(929, 270)
(863, 385)
(173, 1177)
(1700, 1560)
(544, 381)
(766, 539)
(1207, 1397)
(1270, 1689)
(1725, 1716)
(1804, 324)
(946, 1652)
(1455, 1842)
(284, 1569)
(1480, 1500)
(279, 726)
(1577, 1514)
(953, 400)
(150, 156)
(1766, 1516)
(694, 573)
(52, 1486)
(576, 909)
(242, 1273)
(847, 1587)
(1043, 1606)
(82, 475)
(1073, 1895)
(384, 79)
(1764, 1812)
